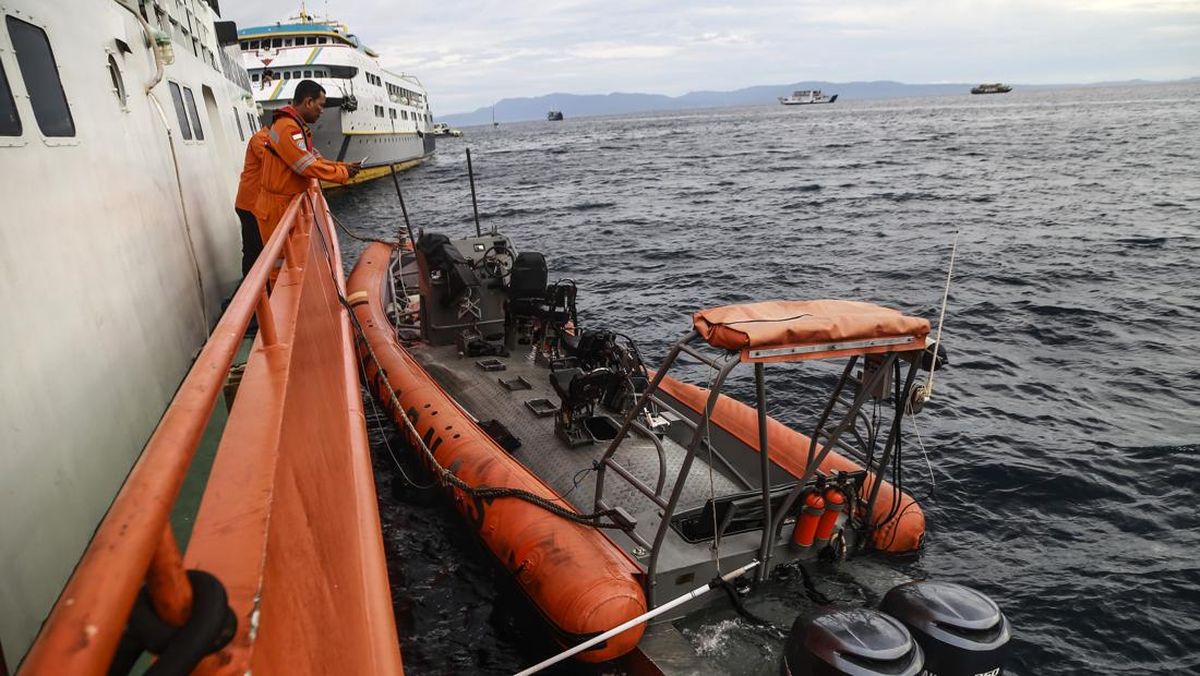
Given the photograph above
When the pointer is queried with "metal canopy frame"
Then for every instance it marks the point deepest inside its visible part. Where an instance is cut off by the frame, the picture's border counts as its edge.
(724, 365)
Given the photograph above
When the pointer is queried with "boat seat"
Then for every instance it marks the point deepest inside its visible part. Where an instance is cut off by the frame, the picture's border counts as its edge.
(527, 284)
(435, 252)
(561, 381)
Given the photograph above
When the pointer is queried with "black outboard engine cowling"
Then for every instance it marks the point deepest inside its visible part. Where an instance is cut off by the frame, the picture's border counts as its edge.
(962, 632)
(856, 642)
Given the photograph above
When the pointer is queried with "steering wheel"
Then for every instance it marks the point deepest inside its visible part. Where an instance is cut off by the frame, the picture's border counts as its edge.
(496, 262)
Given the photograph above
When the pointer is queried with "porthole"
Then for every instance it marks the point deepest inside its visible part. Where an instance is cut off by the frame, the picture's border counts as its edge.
(118, 81)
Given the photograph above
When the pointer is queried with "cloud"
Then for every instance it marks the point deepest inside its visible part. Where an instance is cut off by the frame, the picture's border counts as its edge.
(471, 54)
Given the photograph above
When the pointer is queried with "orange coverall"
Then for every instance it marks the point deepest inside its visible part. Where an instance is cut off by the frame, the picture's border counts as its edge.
(288, 164)
(247, 193)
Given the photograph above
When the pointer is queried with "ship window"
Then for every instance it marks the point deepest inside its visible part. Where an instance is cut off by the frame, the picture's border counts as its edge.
(254, 44)
(250, 123)
(311, 41)
(185, 129)
(277, 42)
(193, 114)
(322, 40)
(238, 121)
(318, 73)
(287, 74)
(40, 73)
(254, 76)
(114, 72)
(10, 122)
(405, 113)
(287, 42)
(308, 73)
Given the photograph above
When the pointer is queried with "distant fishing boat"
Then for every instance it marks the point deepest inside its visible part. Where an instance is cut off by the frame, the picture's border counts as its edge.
(802, 97)
(554, 116)
(995, 88)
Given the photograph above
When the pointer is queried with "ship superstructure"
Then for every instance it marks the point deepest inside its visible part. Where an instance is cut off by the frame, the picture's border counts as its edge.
(122, 130)
(370, 113)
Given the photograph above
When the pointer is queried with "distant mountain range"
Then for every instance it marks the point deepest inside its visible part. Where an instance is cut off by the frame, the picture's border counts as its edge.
(586, 105)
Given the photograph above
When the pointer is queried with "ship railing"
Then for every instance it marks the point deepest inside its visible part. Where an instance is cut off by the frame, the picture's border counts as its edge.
(844, 406)
(254, 487)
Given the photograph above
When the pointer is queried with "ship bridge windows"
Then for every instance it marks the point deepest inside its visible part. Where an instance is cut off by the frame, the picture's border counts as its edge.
(40, 73)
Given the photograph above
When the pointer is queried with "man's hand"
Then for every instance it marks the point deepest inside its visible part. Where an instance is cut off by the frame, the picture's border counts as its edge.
(354, 168)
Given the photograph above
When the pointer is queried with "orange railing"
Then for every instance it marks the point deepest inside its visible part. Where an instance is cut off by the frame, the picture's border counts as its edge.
(288, 521)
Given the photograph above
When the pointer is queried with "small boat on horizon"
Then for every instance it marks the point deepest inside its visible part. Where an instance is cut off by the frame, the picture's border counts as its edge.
(803, 97)
(554, 116)
(994, 88)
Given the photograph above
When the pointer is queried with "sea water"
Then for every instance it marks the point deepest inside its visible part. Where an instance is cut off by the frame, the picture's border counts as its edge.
(1064, 438)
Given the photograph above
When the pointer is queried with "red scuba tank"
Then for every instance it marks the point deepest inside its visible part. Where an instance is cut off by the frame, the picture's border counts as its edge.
(835, 502)
(810, 516)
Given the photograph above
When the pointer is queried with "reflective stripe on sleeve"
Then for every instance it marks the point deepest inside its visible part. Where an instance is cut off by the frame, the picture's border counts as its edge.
(303, 163)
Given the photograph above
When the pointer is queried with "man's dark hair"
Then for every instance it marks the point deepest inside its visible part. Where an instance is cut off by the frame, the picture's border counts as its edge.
(307, 89)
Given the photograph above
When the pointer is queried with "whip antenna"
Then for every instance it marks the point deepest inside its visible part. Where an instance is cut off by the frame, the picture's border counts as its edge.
(474, 204)
(925, 392)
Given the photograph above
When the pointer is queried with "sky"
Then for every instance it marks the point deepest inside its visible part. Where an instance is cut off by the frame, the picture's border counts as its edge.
(470, 54)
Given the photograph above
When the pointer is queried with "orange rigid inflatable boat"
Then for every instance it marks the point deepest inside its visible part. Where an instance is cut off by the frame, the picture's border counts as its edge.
(468, 346)
(286, 538)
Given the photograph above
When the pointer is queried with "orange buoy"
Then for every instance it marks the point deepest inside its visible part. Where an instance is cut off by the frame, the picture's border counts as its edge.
(835, 502)
(810, 516)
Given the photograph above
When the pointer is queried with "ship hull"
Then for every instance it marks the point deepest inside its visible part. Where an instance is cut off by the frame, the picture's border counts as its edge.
(831, 99)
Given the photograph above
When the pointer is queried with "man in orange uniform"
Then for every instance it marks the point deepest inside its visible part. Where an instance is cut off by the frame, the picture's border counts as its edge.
(247, 195)
(290, 160)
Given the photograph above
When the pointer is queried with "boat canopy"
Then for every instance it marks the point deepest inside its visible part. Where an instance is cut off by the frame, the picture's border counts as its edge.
(788, 330)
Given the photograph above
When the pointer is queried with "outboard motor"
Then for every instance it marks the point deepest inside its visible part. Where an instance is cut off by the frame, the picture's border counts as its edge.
(962, 632)
(857, 642)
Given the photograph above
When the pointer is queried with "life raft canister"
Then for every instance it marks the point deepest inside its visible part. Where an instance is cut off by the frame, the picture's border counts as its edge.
(810, 517)
(835, 502)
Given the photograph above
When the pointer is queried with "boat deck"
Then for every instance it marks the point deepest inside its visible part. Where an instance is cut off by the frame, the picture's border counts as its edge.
(546, 455)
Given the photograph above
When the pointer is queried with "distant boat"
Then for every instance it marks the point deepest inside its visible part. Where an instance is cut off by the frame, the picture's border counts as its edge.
(802, 97)
(494, 122)
(554, 116)
(443, 129)
(996, 88)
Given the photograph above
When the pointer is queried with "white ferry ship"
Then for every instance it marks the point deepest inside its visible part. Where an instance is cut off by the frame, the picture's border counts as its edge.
(803, 97)
(123, 125)
(370, 113)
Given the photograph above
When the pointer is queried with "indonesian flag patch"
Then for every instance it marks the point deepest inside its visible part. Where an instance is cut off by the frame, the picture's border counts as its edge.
(298, 138)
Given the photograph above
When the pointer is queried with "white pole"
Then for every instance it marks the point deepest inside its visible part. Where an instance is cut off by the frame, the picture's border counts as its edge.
(636, 621)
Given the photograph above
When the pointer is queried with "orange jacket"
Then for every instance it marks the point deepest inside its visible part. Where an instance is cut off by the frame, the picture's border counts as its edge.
(247, 193)
(288, 164)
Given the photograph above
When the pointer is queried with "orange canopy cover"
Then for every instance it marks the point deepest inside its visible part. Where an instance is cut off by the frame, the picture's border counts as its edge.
(778, 323)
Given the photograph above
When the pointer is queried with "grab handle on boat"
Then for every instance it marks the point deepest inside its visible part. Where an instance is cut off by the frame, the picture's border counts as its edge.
(698, 591)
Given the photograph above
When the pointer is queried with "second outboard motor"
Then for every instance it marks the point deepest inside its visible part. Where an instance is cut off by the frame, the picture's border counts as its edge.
(962, 632)
(855, 642)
